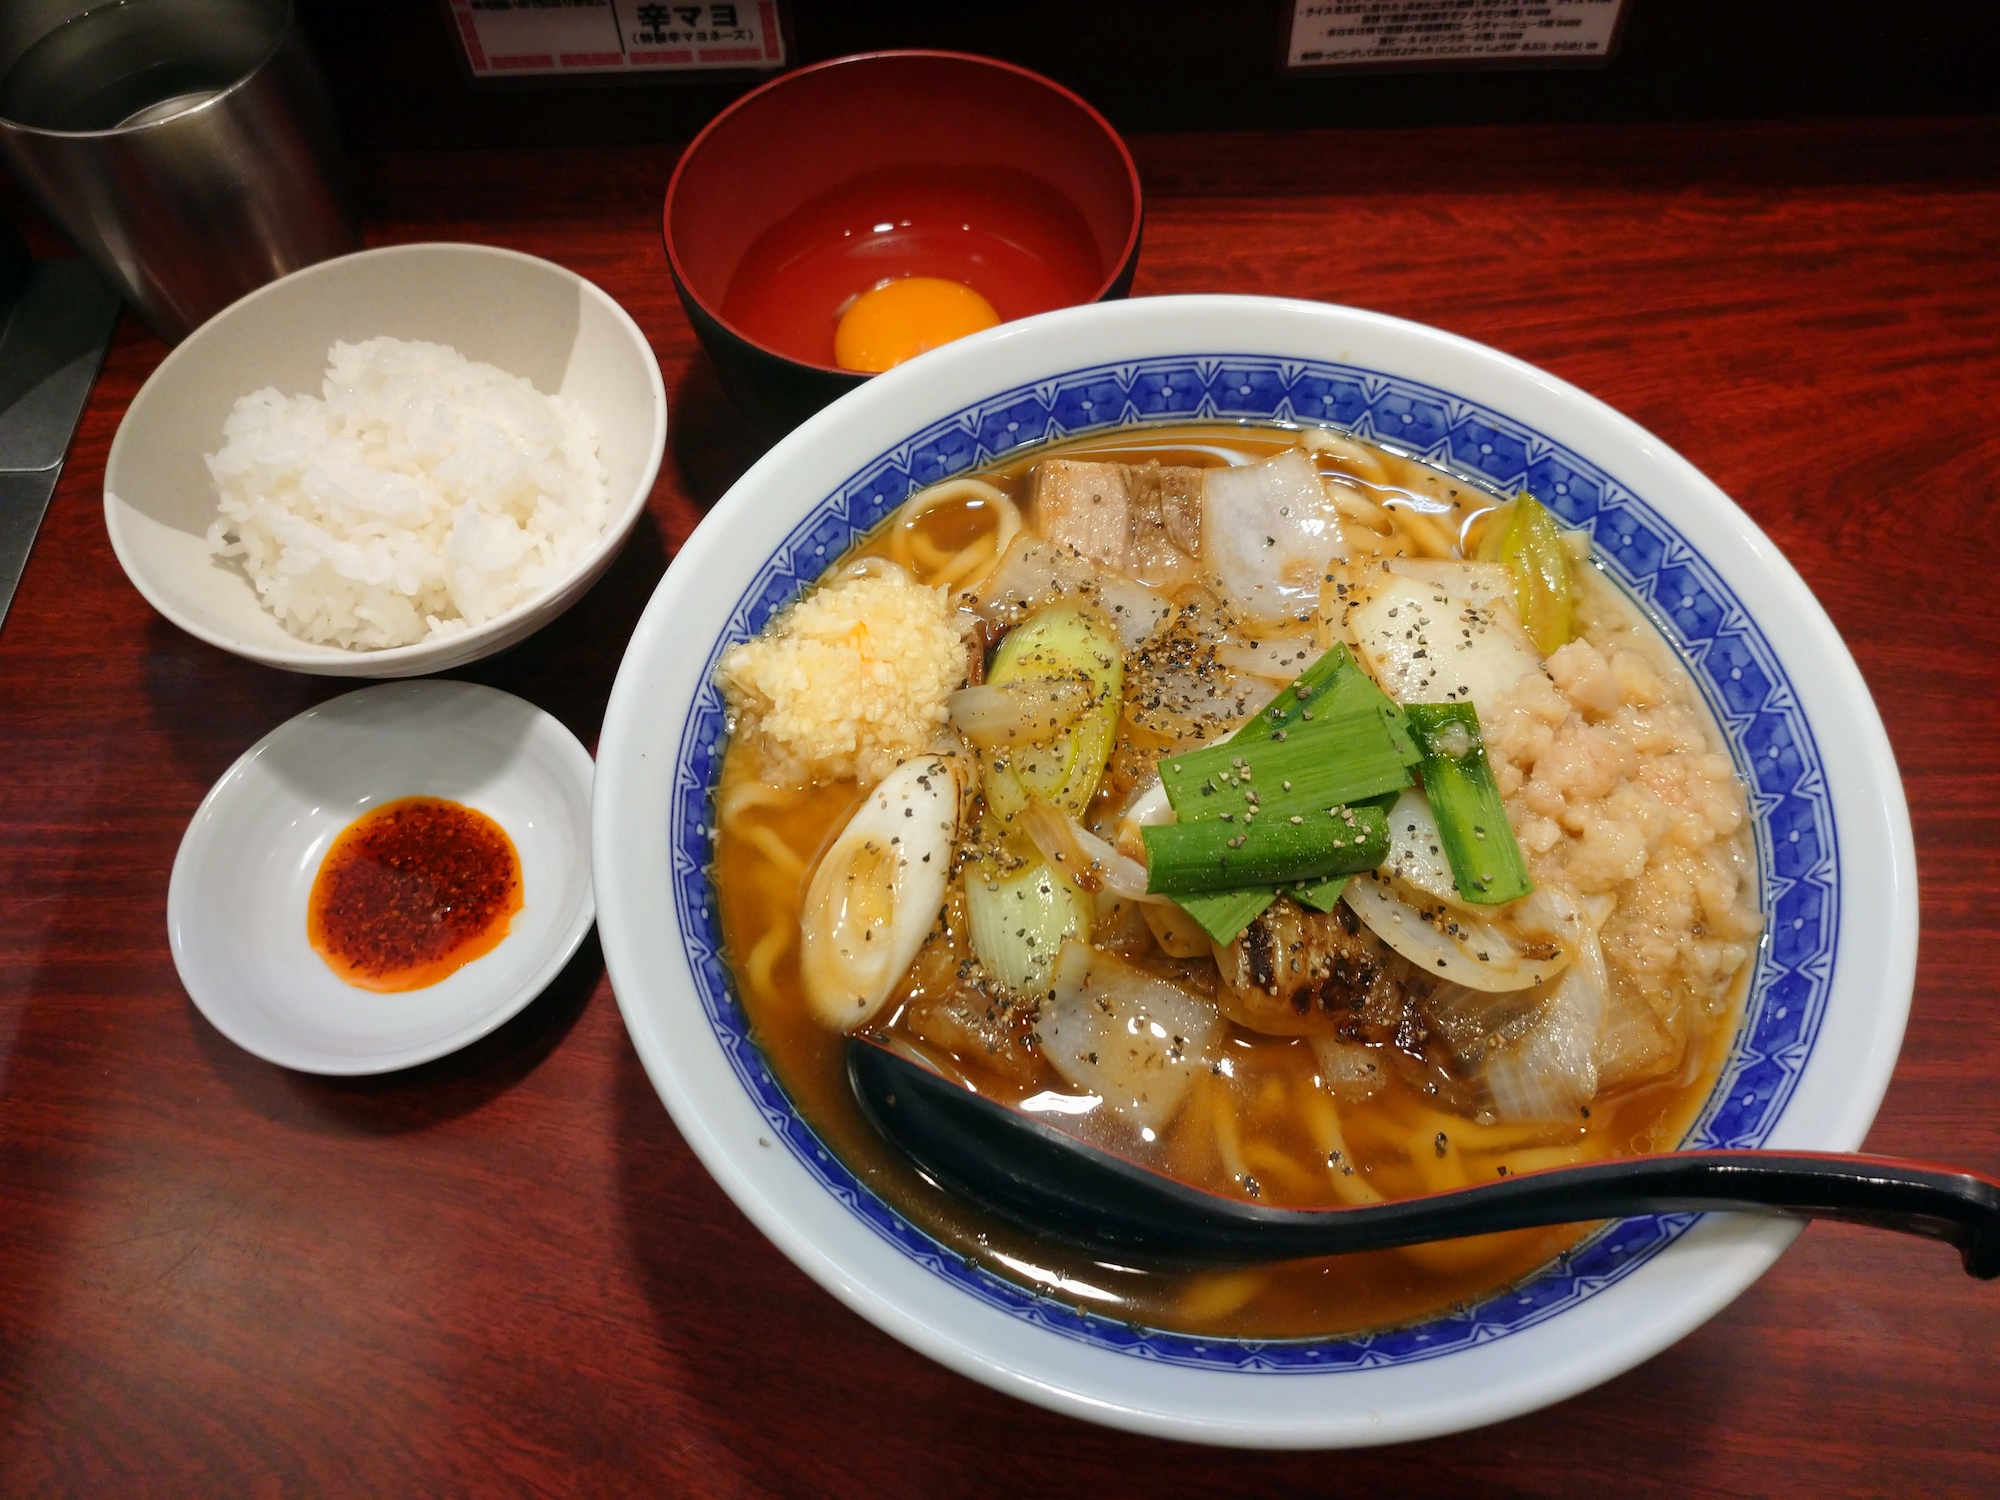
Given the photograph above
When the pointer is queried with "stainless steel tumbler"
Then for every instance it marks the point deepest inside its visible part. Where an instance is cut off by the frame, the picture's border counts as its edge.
(186, 146)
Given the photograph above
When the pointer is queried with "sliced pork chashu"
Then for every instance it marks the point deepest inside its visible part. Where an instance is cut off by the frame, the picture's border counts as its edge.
(1143, 520)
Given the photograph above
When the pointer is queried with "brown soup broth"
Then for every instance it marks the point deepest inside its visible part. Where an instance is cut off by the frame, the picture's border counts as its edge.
(1268, 1114)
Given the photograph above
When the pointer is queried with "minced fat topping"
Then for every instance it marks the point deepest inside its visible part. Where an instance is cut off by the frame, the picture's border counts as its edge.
(849, 682)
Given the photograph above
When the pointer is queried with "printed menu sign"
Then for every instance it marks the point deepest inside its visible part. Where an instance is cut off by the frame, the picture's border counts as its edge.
(516, 38)
(1412, 33)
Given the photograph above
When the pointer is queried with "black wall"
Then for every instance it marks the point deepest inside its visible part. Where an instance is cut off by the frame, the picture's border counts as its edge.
(1178, 65)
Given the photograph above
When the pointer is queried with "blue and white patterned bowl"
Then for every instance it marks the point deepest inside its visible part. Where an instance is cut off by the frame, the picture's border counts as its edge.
(1836, 866)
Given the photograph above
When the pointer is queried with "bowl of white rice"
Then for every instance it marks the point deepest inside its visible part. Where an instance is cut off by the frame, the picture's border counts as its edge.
(388, 464)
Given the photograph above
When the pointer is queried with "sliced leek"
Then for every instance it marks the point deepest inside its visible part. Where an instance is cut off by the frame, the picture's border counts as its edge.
(1049, 658)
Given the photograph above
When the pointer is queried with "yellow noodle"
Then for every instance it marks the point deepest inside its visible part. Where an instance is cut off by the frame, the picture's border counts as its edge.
(1544, 1157)
(1430, 538)
(978, 558)
(949, 490)
(1347, 454)
(1356, 506)
(1007, 523)
(1363, 543)
(1452, 1257)
(1323, 1119)
(1470, 1135)
(1441, 1170)
(929, 556)
(1272, 1168)
(746, 793)
(1218, 1295)
(1223, 1123)
(764, 955)
(773, 848)
(1271, 1101)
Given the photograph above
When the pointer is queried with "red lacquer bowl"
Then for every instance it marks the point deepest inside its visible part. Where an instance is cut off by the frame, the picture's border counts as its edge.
(828, 180)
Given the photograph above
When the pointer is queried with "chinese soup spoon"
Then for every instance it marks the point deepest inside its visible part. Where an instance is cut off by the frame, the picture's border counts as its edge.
(1026, 1170)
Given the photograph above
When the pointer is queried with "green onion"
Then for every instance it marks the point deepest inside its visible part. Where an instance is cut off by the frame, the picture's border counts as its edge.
(1327, 763)
(1322, 895)
(1320, 750)
(1223, 914)
(1486, 862)
(1332, 689)
(1274, 847)
(1334, 667)
(1018, 920)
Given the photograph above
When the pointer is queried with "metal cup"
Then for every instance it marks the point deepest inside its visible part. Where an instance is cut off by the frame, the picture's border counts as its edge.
(186, 146)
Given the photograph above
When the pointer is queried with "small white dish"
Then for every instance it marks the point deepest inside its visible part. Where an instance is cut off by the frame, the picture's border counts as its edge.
(236, 906)
(528, 316)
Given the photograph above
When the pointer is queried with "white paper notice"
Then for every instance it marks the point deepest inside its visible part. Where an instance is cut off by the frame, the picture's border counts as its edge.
(512, 38)
(1357, 33)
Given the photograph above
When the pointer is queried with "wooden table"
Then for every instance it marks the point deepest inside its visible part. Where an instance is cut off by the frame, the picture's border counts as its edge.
(504, 1272)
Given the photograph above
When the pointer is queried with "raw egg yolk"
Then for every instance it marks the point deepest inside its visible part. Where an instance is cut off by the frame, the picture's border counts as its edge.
(900, 319)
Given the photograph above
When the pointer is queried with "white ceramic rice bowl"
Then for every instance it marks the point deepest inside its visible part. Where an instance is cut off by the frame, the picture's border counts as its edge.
(1833, 979)
(526, 315)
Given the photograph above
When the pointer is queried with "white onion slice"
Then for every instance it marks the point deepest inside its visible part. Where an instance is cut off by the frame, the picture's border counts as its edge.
(1445, 942)
(1115, 1031)
(1137, 611)
(1080, 854)
(877, 892)
(1416, 849)
(1268, 531)
(1424, 644)
(1279, 659)
(1487, 586)
(1030, 573)
(1351, 1072)
(1551, 1073)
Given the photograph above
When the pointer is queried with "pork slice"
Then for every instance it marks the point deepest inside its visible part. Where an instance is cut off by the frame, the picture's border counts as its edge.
(1086, 506)
(1166, 520)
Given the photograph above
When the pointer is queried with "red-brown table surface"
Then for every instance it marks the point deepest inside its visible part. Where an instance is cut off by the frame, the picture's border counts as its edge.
(506, 1272)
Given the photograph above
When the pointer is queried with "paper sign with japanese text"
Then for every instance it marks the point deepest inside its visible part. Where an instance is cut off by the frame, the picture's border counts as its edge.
(1450, 33)
(526, 38)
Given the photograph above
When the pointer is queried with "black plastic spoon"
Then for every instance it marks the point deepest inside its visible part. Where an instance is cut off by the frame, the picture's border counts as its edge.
(1054, 1184)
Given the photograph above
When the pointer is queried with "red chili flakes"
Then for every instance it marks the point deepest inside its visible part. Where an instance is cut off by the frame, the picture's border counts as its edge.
(413, 891)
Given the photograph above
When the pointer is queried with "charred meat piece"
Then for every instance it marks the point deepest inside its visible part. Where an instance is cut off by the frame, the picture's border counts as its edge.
(1295, 971)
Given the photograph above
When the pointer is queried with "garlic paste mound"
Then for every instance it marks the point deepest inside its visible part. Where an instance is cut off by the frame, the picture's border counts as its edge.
(849, 683)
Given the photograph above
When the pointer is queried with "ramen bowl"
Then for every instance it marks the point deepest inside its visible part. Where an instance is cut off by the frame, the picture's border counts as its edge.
(865, 169)
(1828, 994)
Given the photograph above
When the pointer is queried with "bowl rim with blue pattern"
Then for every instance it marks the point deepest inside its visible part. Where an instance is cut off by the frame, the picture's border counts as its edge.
(1837, 872)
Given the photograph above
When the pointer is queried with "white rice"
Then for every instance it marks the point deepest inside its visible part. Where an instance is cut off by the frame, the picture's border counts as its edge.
(421, 495)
